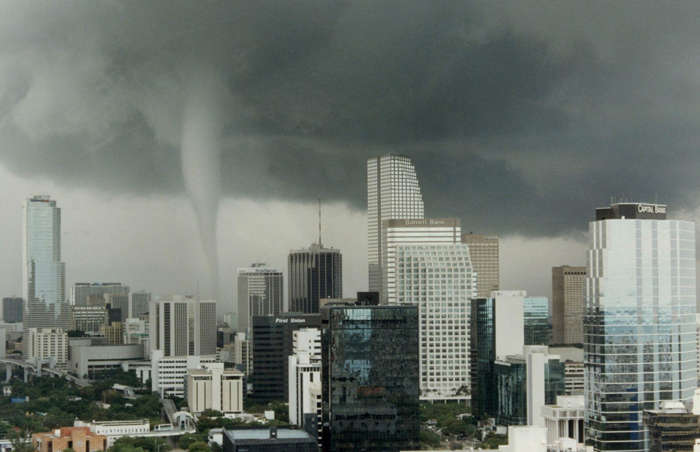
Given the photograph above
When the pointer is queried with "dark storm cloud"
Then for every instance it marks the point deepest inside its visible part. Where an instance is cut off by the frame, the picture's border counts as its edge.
(520, 118)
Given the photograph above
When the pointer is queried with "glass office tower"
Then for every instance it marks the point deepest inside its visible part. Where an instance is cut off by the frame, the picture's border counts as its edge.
(639, 325)
(43, 273)
(315, 272)
(538, 328)
(370, 377)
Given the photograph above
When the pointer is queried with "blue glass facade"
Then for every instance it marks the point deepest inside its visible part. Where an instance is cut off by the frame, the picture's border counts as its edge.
(538, 325)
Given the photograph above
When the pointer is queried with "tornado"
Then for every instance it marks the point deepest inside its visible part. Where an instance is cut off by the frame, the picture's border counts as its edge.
(201, 156)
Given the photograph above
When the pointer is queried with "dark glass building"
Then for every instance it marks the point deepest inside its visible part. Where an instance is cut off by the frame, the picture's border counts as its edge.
(511, 391)
(672, 428)
(271, 439)
(314, 273)
(537, 326)
(482, 357)
(272, 344)
(370, 377)
(12, 309)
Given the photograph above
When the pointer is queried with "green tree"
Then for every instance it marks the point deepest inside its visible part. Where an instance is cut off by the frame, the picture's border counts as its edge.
(199, 446)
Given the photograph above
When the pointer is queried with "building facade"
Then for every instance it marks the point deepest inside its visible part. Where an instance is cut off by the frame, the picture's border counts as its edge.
(438, 279)
(119, 304)
(95, 361)
(315, 272)
(271, 439)
(411, 232)
(370, 378)
(272, 344)
(484, 253)
(89, 319)
(672, 427)
(43, 272)
(80, 439)
(47, 345)
(538, 327)
(138, 304)
(639, 327)
(260, 292)
(564, 419)
(183, 326)
(12, 309)
(83, 292)
(213, 388)
(393, 192)
(568, 287)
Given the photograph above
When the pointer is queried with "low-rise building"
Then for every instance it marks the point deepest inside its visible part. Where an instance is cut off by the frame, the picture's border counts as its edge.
(114, 430)
(89, 361)
(89, 318)
(213, 388)
(268, 439)
(168, 373)
(672, 427)
(80, 439)
(565, 419)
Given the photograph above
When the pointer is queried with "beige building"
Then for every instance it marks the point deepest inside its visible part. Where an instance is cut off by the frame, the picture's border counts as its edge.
(80, 439)
(47, 344)
(214, 388)
(114, 333)
(484, 254)
(568, 284)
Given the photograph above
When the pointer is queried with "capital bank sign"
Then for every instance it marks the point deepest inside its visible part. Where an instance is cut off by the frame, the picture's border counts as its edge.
(651, 208)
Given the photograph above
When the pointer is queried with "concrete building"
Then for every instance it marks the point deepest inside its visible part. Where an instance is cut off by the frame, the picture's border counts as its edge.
(93, 361)
(393, 192)
(114, 333)
(304, 385)
(411, 232)
(545, 381)
(168, 373)
(43, 272)
(213, 388)
(260, 292)
(564, 419)
(315, 272)
(80, 439)
(12, 309)
(526, 439)
(136, 332)
(242, 353)
(89, 319)
(307, 340)
(113, 430)
(183, 326)
(47, 345)
(672, 427)
(95, 291)
(272, 345)
(639, 328)
(568, 287)
(572, 357)
(438, 278)
(484, 254)
(271, 439)
(370, 382)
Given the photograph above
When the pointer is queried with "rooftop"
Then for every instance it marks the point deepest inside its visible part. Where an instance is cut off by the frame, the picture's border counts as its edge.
(264, 433)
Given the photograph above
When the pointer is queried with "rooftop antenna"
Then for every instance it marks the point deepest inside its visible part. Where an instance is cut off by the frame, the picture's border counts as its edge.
(319, 222)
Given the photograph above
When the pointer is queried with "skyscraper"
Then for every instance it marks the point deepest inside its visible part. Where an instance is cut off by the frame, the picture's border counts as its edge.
(484, 253)
(411, 232)
(260, 292)
(315, 272)
(639, 324)
(393, 192)
(138, 302)
(438, 278)
(43, 273)
(568, 286)
(370, 377)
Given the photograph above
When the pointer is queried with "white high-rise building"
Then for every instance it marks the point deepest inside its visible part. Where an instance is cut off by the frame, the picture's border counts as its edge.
(182, 337)
(46, 345)
(43, 273)
(510, 321)
(393, 192)
(305, 377)
(639, 323)
(260, 292)
(183, 326)
(412, 232)
(438, 278)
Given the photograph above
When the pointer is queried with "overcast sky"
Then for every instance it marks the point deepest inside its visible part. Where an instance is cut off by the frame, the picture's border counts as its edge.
(522, 117)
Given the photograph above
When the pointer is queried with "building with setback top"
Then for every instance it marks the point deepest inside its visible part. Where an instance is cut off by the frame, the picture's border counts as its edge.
(484, 253)
(260, 292)
(315, 272)
(393, 192)
(568, 287)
